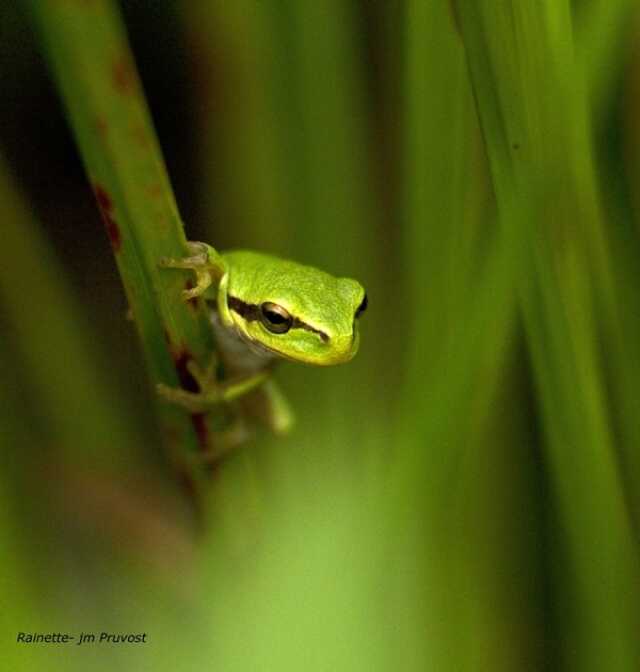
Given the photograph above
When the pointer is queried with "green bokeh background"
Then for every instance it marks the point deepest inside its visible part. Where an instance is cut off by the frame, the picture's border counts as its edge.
(465, 494)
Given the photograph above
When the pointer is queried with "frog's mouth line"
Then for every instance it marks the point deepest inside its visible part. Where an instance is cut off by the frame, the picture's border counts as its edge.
(261, 349)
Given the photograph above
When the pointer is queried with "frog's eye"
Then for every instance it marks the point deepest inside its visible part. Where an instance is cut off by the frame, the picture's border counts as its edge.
(275, 318)
(362, 307)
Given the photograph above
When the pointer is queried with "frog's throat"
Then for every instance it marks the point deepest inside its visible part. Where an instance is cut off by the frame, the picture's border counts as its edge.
(238, 352)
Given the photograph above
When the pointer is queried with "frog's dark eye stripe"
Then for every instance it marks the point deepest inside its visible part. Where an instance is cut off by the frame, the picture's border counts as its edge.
(362, 307)
(299, 324)
(275, 318)
(248, 311)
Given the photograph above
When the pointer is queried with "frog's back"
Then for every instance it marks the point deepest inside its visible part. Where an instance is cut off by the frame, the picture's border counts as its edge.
(258, 277)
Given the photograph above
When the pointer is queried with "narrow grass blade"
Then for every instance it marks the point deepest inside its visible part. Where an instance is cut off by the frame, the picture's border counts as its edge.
(533, 107)
(88, 52)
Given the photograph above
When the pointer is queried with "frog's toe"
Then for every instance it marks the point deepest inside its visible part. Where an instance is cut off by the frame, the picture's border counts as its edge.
(194, 402)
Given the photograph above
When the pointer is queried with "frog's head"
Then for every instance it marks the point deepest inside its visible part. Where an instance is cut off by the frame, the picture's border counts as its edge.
(294, 311)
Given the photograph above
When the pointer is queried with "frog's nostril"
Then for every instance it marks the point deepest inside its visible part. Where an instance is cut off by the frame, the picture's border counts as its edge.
(362, 307)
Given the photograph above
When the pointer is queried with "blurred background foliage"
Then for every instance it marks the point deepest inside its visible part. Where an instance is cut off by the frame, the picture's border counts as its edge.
(465, 495)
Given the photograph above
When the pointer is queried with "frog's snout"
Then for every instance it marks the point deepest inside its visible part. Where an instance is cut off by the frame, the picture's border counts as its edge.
(345, 346)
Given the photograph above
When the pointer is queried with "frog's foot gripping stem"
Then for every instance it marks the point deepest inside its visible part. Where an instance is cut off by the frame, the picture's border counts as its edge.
(211, 391)
(204, 261)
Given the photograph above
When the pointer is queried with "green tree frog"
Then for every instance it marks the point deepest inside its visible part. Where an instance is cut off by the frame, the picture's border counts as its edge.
(265, 309)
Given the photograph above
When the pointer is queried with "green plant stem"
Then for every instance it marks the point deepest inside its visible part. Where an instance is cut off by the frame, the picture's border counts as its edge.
(532, 103)
(87, 49)
(603, 29)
